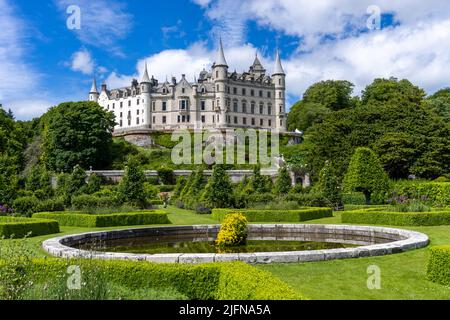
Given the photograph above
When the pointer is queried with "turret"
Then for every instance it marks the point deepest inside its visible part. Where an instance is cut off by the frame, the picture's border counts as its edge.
(93, 93)
(220, 77)
(146, 97)
(279, 81)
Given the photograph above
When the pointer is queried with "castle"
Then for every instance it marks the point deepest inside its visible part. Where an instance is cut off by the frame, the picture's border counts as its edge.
(218, 99)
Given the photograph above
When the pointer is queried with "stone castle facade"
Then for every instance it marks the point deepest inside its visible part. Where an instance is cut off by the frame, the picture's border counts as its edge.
(219, 99)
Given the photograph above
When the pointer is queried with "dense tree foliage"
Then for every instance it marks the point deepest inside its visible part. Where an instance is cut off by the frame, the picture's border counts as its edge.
(365, 174)
(439, 103)
(131, 187)
(77, 133)
(218, 192)
(283, 183)
(332, 94)
(304, 114)
(329, 187)
(392, 114)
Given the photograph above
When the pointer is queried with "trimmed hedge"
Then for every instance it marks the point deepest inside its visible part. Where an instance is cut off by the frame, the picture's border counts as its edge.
(19, 227)
(106, 220)
(276, 215)
(372, 216)
(218, 281)
(438, 269)
(435, 193)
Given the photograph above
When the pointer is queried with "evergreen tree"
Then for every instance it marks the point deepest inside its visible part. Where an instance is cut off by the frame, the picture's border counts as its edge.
(94, 184)
(365, 174)
(195, 189)
(218, 192)
(283, 183)
(329, 187)
(131, 188)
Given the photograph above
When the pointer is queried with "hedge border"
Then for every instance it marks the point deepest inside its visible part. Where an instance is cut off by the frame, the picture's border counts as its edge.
(212, 281)
(106, 220)
(18, 227)
(276, 215)
(370, 216)
(438, 268)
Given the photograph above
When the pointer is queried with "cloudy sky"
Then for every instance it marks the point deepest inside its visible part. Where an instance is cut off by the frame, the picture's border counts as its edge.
(44, 60)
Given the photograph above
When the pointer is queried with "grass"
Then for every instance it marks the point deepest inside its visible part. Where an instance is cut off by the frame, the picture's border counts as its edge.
(403, 276)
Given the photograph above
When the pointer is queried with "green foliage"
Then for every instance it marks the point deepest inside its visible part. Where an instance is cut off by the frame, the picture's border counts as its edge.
(365, 174)
(233, 230)
(77, 133)
(332, 94)
(330, 187)
(131, 187)
(106, 220)
(72, 185)
(16, 227)
(50, 205)
(8, 179)
(25, 206)
(218, 192)
(276, 215)
(191, 195)
(307, 199)
(440, 104)
(303, 115)
(39, 179)
(392, 91)
(432, 193)
(166, 176)
(181, 182)
(94, 184)
(438, 267)
(283, 183)
(88, 203)
(373, 216)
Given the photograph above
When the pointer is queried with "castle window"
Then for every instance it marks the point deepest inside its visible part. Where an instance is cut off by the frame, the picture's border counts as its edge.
(121, 114)
(281, 122)
(121, 104)
(120, 123)
(218, 88)
(270, 123)
(252, 109)
(164, 90)
(154, 105)
(183, 90)
(183, 118)
(129, 122)
(280, 95)
(261, 122)
(184, 104)
(261, 108)
(164, 119)
(244, 92)
(235, 120)
(269, 110)
(244, 121)
(213, 119)
(164, 105)
(203, 105)
(203, 90)
(217, 73)
(234, 90)
(137, 111)
(137, 101)
(253, 121)
(137, 120)
(203, 119)
(114, 105)
(228, 89)
(129, 103)
(178, 119)
(129, 114)
(188, 117)
(260, 93)
(279, 81)
(154, 119)
(244, 107)
(269, 95)
(281, 108)
(235, 106)
(252, 93)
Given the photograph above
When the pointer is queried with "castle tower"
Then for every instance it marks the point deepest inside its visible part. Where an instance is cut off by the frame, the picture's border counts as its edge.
(93, 94)
(146, 97)
(220, 77)
(279, 80)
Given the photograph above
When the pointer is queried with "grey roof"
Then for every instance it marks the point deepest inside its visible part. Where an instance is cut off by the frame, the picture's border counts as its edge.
(94, 86)
(145, 77)
(220, 61)
(278, 69)
(257, 65)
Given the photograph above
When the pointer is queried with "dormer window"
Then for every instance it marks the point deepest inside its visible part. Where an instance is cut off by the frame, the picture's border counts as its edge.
(183, 90)
(203, 90)
(164, 90)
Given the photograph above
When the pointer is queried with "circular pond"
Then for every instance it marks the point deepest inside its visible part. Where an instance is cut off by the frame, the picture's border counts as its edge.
(266, 243)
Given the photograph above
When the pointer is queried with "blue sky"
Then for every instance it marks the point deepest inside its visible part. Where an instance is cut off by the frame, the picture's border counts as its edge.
(43, 63)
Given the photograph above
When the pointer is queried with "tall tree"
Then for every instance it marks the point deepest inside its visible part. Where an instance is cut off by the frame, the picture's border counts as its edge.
(330, 187)
(283, 183)
(365, 174)
(332, 94)
(131, 187)
(304, 114)
(77, 133)
(218, 192)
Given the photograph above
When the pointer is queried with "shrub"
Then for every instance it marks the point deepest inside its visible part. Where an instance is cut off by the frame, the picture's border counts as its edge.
(212, 281)
(307, 199)
(131, 187)
(200, 208)
(50, 205)
(94, 184)
(276, 215)
(438, 268)
(369, 216)
(157, 202)
(259, 198)
(26, 206)
(86, 202)
(433, 193)
(166, 176)
(166, 188)
(283, 183)
(218, 192)
(20, 227)
(329, 187)
(106, 220)
(233, 231)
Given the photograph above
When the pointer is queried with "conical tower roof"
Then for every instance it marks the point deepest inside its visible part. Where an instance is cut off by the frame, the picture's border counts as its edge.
(257, 65)
(278, 69)
(145, 77)
(94, 86)
(221, 61)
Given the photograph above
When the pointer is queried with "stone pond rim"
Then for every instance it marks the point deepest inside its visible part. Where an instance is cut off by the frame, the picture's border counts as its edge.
(399, 240)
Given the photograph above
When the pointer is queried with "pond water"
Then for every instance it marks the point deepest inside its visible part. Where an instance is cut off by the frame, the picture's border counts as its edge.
(186, 244)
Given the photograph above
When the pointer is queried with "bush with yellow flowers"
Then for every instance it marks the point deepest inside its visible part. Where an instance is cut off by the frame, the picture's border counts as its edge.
(233, 231)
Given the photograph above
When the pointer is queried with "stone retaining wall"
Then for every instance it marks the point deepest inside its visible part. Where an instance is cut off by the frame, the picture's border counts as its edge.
(398, 241)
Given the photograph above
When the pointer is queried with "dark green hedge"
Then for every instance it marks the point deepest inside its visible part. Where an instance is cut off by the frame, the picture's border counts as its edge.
(106, 220)
(369, 216)
(276, 215)
(222, 281)
(86, 202)
(434, 193)
(19, 227)
(438, 269)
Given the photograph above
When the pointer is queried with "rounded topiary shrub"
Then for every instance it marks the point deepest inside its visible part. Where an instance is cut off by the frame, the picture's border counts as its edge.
(233, 231)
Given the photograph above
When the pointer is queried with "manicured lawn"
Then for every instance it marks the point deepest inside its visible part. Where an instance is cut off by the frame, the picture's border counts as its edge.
(402, 275)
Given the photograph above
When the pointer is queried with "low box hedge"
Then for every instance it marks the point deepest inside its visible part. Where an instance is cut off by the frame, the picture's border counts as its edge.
(276, 215)
(17, 227)
(438, 269)
(371, 216)
(106, 220)
(212, 281)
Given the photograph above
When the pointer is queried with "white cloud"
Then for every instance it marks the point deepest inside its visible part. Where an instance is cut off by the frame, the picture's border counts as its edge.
(82, 61)
(103, 23)
(30, 108)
